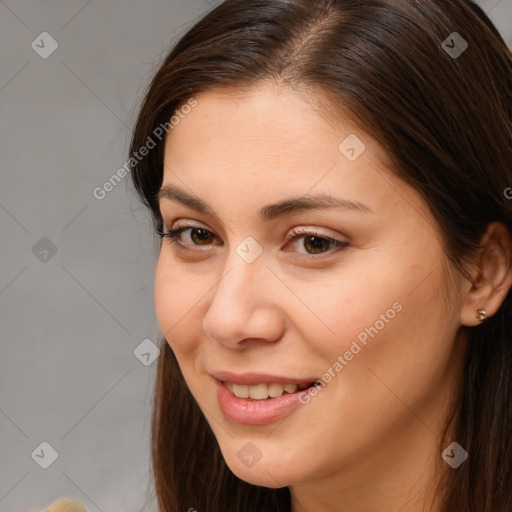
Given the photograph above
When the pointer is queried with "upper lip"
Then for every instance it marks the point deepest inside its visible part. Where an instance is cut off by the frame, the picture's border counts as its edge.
(252, 378)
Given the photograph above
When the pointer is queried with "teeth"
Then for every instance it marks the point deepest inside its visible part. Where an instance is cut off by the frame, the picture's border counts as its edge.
(258, 392)
(263, 391)
(240, 390)
(290, 388)
(275, 390)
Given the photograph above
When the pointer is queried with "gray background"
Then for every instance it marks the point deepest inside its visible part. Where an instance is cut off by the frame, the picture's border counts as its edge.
(71, 321)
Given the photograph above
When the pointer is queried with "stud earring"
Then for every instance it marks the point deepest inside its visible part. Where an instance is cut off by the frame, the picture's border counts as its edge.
(481, 314)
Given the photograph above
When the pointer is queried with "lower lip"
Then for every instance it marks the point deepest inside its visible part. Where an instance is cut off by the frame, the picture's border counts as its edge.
(256, 412)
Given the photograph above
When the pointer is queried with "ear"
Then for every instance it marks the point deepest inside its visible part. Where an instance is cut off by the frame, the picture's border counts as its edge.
(492, 275)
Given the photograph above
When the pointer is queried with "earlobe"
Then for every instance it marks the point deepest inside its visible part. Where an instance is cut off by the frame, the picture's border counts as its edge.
(492, 276)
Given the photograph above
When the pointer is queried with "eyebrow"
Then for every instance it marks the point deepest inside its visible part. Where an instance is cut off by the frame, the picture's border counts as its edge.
(271, 211)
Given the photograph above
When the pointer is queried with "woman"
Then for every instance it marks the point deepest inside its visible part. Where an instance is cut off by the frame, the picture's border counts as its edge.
(333, 280)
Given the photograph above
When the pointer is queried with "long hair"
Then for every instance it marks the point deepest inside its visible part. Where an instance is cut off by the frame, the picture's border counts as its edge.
(443, 113)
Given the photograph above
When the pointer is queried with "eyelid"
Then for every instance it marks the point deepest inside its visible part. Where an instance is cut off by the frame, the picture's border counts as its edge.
(300, 230)
(183, 224)
(305, 231)
(177, 228)
(295, 233)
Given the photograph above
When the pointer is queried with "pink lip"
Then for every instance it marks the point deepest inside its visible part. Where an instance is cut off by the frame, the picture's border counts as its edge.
(252, 379)
(249, 412)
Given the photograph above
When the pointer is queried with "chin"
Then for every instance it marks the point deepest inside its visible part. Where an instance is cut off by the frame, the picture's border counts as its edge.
(259, 476)
(265, 472)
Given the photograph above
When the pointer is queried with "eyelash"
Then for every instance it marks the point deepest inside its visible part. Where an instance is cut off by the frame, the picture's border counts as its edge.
(295, 234)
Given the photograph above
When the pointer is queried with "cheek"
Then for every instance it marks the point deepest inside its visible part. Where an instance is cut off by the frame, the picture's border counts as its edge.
(178, 306)
(355, 309)
(385, 320)
(401, 344)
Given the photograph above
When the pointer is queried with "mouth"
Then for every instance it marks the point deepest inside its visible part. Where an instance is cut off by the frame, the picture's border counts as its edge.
(259, 399)
(261, 392)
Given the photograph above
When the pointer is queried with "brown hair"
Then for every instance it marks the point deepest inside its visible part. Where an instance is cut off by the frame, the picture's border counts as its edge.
(446, 122)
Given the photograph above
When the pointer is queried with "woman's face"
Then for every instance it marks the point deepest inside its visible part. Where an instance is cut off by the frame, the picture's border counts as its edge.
(343, 284)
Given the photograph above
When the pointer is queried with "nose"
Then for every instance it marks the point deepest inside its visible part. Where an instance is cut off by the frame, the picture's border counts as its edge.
(244, 305)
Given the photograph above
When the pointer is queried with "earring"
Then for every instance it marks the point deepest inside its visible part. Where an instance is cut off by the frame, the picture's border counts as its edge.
(481, 314)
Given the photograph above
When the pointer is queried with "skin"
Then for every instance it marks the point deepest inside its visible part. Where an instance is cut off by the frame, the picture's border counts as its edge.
(368, 441)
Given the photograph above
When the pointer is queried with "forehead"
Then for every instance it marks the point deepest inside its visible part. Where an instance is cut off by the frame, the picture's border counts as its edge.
(265, 125)
(274, 141)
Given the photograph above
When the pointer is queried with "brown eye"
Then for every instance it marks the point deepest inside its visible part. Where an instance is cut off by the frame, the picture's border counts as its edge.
(309, 244)
(201, 236)
(188, 236)
(315, 245)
